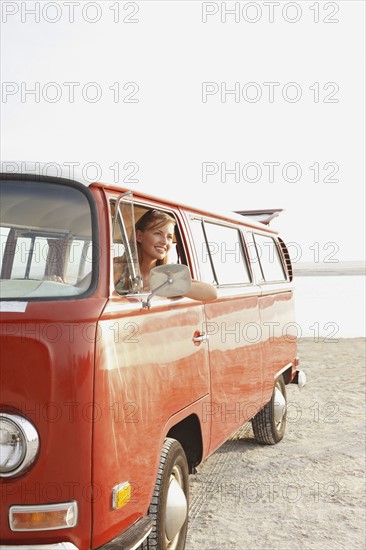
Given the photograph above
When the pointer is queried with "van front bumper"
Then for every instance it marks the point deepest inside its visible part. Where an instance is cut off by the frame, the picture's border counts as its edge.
(130, 539)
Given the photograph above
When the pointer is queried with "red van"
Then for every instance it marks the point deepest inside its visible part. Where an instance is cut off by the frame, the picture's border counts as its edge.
(110, 397)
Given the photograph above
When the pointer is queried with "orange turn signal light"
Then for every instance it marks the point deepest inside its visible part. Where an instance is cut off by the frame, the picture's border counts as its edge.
(43, 517)
(121, 495)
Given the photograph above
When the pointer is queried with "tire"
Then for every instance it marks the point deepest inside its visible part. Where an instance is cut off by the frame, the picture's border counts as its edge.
(269, 424)
(170, 524)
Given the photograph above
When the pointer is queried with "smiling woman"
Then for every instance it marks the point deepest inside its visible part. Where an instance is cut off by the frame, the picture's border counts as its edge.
(154, 238)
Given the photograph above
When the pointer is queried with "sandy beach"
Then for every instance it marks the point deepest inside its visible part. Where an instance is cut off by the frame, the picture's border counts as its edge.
(312, 269)
(308, 491)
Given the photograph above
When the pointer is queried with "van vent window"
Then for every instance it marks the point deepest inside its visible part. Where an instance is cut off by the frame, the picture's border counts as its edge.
(287, 258)
(270, 258)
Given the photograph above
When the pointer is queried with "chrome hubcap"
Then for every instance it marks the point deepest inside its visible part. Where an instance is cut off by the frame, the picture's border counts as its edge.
(176, 508)
(279, 407)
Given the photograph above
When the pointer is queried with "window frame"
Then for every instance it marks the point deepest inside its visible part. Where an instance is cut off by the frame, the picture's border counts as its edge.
(242, 244)
(179, 241)
(277, 246)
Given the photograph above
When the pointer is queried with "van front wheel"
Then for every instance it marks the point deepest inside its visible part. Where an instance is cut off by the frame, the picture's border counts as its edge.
(269, 424)
(170, 501)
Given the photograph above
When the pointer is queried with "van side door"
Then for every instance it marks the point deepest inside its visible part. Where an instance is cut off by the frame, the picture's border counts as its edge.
(232, 326)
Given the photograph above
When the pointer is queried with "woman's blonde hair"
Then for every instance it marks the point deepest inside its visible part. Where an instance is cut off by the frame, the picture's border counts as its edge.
(150, 220)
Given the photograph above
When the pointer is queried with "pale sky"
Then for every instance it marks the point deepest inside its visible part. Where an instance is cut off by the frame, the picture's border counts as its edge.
(262, 107)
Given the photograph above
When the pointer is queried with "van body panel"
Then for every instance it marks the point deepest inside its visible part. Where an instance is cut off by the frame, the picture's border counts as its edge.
(233, 327)
(279, 335)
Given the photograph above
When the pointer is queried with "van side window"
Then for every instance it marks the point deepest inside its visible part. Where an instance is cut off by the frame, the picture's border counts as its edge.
(269, 258)
(204, 258)
(221, 255)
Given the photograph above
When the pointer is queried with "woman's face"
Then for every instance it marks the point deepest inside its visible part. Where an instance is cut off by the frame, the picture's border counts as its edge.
(156, 241)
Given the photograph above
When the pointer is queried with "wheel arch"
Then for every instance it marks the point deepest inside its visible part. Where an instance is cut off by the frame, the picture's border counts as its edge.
(287, 375)
(188, 433)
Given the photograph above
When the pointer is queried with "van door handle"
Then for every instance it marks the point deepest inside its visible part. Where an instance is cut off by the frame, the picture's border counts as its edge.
(199, 337)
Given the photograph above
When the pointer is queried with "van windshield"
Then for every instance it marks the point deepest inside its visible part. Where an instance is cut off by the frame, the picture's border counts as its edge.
(45, 240)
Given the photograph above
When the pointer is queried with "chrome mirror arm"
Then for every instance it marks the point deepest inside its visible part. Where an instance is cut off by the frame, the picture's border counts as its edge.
(146, 303)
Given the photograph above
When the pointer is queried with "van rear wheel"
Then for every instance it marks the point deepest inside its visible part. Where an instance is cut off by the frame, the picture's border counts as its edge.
(269, 424)
(170, 501)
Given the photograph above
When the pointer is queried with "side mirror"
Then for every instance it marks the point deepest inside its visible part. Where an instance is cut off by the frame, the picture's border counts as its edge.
(168, 280)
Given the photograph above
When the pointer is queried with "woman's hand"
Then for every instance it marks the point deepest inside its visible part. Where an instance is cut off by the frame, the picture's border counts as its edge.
(202, 291)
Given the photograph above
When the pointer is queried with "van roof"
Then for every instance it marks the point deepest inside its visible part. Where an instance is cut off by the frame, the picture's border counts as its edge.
(45, 169)
(254, 218)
